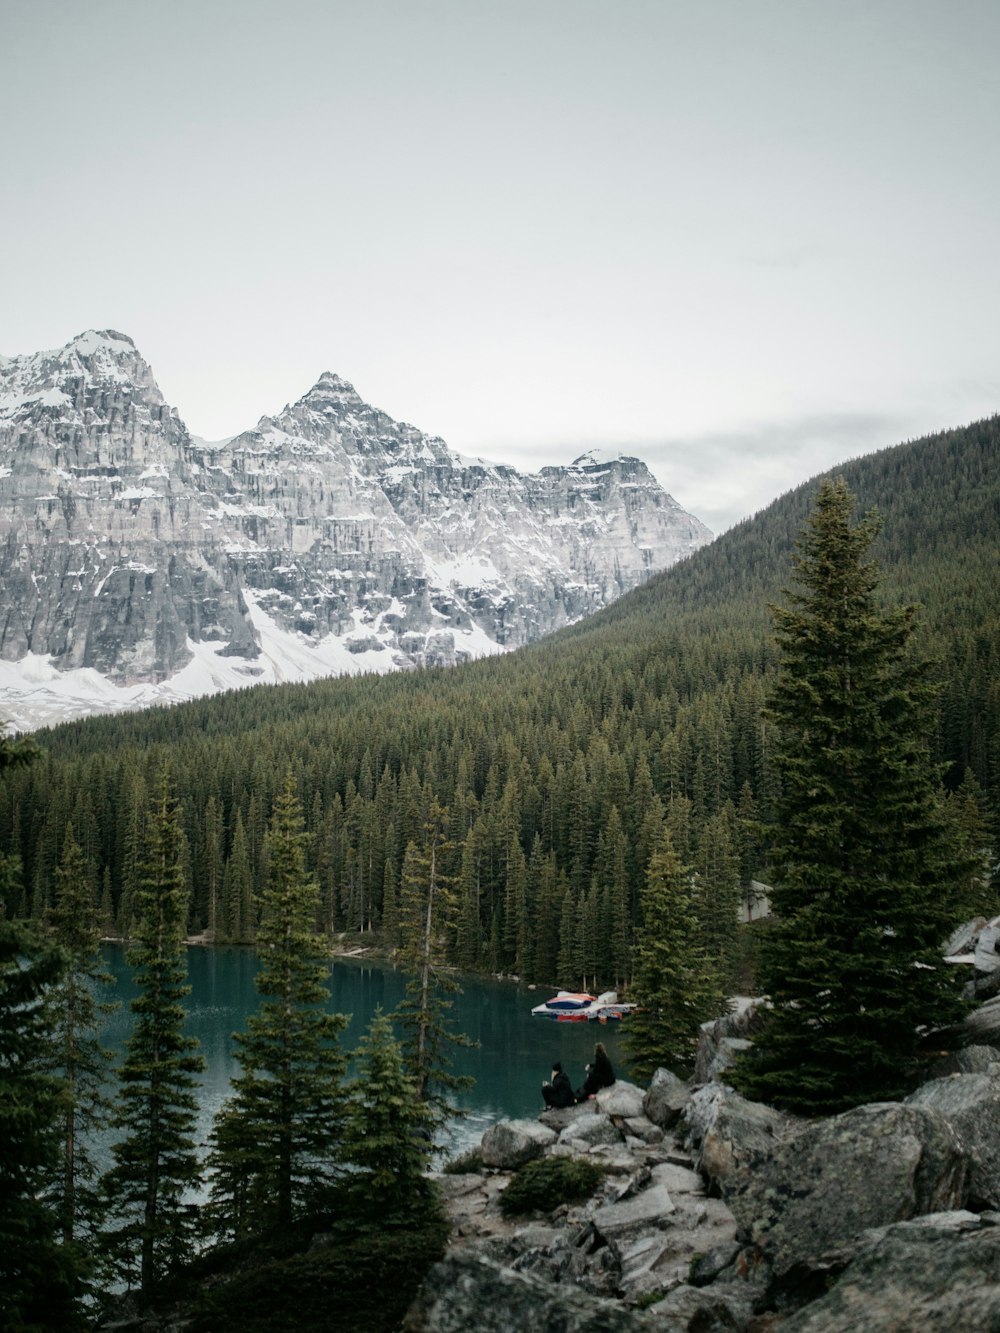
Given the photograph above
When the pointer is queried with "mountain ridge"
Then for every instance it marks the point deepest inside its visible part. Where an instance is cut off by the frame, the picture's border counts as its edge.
(329, 538)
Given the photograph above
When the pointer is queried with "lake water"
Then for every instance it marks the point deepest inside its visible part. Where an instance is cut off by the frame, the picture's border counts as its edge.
(515, 1051)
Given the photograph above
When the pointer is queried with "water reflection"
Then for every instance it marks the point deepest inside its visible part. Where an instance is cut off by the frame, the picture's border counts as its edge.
(515, 1051)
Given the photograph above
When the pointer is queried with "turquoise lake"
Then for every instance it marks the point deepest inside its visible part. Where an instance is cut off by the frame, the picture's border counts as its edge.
(515, 1051)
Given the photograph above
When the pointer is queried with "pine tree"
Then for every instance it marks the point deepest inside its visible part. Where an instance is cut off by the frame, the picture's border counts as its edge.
(40, 1279)
(386, 1132)
(426, 910)
(156, 1165)
(866, 875)
(276, 1141)
(675, 982)
(74, 1052)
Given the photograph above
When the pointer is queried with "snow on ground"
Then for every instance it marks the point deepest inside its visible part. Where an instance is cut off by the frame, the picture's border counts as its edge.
(34, 694)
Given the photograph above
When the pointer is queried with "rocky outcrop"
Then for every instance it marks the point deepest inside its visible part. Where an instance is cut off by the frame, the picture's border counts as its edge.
(466, 1291)
(971, 1105)
(329, 538)
(730, 1133)
(835, 1178)
(914, 1277)
(722, 1040)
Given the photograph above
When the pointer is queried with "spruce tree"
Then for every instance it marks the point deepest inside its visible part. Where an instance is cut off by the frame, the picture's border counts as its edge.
(275, 1144)
(74, 1052)
(156, 1166)
(866, 873)
(40, 1279)
(426, 918)
(675, 983)
(386, 1133)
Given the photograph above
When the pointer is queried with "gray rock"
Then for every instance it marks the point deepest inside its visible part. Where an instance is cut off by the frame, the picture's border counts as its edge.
(648, 1209)
(466, 1292)
(982, 1026)
(723, 1309)
(621, 1099)
(642, 1129)
(666, 1098)
(869, 1167)
(729, 1132)
(590, 1132)
(707, 1267)
(511, 1143)
(967, 1060)
(913, 1280)
(559, 1117)
(963, 940)
(971, 1105)
(722, 1039)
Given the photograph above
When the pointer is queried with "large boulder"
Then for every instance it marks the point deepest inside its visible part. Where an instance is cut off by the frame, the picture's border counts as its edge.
(866, 1168)
(621, 1099)
(590, 1132)
(913, 1278)
(730, 1133)
(510, 1143)
(725, 1308)
(971, 1105)
(666, 1099)
(466, 1291)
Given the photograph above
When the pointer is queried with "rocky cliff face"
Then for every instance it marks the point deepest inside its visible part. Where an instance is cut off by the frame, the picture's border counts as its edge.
(329, 538)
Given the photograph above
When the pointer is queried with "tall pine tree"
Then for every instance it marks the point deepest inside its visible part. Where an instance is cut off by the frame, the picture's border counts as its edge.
(75, 1052)
(675, 982)
(276, 1141)
(156, 1166)
(867, 876)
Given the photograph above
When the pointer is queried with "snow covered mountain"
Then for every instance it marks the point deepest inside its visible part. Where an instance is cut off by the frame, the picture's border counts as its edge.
(139, 564)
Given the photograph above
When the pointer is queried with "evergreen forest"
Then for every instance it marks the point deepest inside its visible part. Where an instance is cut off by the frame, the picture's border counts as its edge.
(550, 774)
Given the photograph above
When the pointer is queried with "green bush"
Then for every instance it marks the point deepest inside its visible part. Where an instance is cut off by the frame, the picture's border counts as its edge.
(544, 1184)
(468, 1163)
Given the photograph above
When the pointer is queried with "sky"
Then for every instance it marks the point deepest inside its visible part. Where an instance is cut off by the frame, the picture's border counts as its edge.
(742, 239)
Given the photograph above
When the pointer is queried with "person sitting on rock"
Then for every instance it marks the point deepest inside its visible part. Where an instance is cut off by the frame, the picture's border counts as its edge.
(560, 1091)
(599, 1074)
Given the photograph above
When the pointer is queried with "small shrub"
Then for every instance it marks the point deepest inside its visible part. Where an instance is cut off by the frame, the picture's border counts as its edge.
(468, 1163)
(544, 1184)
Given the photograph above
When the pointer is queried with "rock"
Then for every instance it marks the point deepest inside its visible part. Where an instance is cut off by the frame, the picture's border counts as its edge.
(971, 1105)
(963, 940)
(913, 1278)
(559, 1117)
(644, 1130)
(868, 1167)
(982, 1026)
(466, 1292)
(730, 1132)
(723, 1309)
(511, 1143)
(967, 1060)
(649, 1209)
(721, 1040)
(678, 1179)
(707, 1267)
(986, 957)
(621, 1099)
(664, 1103)
(590, 1132)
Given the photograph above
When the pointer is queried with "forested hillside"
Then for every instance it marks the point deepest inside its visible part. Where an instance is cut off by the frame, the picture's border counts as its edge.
(558, 765)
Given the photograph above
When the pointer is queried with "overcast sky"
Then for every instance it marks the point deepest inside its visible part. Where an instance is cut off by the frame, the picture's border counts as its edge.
(744, 239)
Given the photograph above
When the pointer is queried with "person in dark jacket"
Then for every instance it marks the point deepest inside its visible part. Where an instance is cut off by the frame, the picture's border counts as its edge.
(599, 1074)
(560, 1091)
